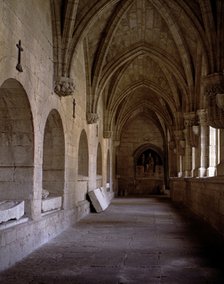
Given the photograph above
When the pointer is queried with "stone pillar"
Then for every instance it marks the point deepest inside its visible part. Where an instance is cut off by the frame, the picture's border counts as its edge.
(189, 119)
(220, 166)
(180, 144)
(116, 144)
(196, 152)
(187, 156)
(214, 90)
(211, 171)
(172, 154)
(203, 142)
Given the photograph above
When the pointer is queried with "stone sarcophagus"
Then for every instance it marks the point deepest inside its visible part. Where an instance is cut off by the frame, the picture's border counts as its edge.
(11, 210)
(50, 202)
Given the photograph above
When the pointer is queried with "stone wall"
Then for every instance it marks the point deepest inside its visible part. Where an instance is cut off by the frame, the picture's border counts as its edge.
(138, 132)
(18, 241)
(37, 124)
(203, 196)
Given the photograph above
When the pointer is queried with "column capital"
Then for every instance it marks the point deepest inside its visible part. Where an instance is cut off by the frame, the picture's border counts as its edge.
(64, 86)
(92, 117)
(189, 119)
(172, 145)
(203, 116)
(214, 90)
(107, 134)
(116, 143)
(179, 134)
(214, 84)
(180, 141)
(220, 100)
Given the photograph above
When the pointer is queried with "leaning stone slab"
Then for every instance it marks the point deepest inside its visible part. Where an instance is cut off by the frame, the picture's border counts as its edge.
(51, 203)
(10, 209)
(98, 199)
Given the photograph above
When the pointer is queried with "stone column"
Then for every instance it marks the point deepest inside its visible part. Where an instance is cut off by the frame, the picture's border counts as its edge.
(189, 119)
(214, 90)
(116, 144)
(180, 144)
(196, 153)
(203, 142)
(187, 156)
(172, 154)
(211, 171)
(220, 166)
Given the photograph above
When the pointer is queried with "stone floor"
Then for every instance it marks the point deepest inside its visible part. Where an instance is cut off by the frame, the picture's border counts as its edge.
(133, 241)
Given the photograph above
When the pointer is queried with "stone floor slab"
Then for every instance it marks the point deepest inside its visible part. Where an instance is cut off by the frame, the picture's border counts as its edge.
(134, 241)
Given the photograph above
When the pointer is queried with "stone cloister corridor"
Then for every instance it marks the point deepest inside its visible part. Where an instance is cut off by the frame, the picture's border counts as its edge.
(116, 105)
(135, 241)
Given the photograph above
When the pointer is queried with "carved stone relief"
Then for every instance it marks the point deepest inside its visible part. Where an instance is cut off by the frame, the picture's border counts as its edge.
(64, 86)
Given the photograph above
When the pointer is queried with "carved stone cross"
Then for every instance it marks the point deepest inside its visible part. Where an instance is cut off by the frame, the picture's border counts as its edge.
(20, 49)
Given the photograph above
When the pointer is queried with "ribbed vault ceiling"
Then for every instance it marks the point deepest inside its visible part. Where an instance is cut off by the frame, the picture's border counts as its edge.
(141, 55)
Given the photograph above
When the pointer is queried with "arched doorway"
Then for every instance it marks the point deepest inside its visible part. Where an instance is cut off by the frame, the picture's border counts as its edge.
(16, 144)
(148, 170)
(54, 155)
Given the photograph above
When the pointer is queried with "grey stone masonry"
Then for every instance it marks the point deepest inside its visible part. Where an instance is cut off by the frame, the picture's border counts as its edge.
(133, 241)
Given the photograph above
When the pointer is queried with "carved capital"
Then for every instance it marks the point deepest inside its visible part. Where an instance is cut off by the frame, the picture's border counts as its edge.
(220, 100)
(214, 88)
(107, 134)
(190, 125)
(116, 143)
(92, 117)
(172, 145)
(189, 119)
(180, 141)
(203, 116)
(178, 134)
(64, 86)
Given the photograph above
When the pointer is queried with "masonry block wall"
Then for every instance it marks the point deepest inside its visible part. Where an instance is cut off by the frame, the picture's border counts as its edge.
(40, 131)
(137, 133)
(204, 197)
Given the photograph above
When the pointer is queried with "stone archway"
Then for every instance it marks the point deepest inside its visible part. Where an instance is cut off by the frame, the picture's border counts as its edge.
(16, 144)
(54, 156)
(149, 170)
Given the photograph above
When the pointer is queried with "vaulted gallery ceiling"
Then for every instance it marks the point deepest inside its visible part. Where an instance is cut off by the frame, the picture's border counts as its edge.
(142, 56)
